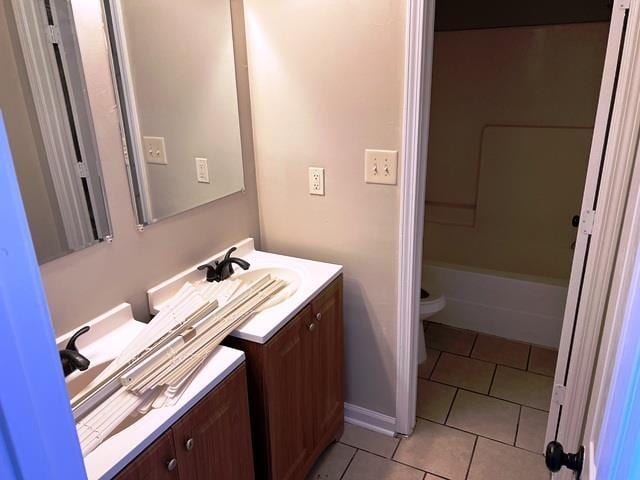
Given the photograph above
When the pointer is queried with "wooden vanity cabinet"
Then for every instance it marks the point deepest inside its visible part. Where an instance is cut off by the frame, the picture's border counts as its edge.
(211, 441)
(154, 462)
(296, 392)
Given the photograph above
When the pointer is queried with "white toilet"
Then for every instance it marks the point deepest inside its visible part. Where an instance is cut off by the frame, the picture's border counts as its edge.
(430, 303)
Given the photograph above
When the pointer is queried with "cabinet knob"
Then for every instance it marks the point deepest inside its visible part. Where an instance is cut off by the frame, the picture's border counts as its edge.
(189, 444)
(318, 315)
(172, 464)
(312, 327)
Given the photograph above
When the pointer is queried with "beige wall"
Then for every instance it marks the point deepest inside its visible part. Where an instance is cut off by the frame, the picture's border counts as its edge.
(326, 83)
(501, 191)
(26, 144)
(185, 85)
(87, 283)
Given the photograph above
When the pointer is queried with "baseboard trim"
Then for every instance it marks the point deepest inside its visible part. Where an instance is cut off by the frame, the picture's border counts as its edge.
(362, 417)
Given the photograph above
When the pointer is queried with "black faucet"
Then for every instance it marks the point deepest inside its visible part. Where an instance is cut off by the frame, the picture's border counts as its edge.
(71, 359)
(223, 269)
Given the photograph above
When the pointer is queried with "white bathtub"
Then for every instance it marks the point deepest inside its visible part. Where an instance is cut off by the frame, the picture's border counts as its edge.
(519, 308)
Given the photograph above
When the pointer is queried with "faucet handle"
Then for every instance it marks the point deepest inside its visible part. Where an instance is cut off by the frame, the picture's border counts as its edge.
(212, 271)
(229, 252)
(71, 344)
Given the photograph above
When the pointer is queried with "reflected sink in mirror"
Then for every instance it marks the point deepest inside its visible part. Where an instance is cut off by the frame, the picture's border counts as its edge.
(290, 276)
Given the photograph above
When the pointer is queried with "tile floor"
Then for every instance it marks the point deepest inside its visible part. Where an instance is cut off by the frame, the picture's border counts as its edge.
(482, 414)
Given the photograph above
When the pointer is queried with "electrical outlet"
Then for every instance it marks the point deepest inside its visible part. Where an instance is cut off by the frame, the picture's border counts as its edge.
(154, 150)
(316, 181)
(202, 170)
(381, 166)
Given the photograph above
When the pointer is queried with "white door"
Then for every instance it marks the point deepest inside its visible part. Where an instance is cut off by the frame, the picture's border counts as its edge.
(581, 322)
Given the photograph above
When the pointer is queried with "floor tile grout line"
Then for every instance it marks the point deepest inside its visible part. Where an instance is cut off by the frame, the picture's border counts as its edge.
(479, 436)
(493, 377)
(488, 395)
(396, 449)
(515, 438)
(473, 344)
(435, 365)
(365, 450)
(473, 452)
(395, 461)
(455, 395)
(350, 462)
(477, 335)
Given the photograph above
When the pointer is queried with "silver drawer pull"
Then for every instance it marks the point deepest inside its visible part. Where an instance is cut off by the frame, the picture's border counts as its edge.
(318, 316)
(312, 327)
(189, 444)
(172, 464)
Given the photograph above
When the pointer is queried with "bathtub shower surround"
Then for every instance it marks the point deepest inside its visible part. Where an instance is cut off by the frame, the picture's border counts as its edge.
(158, 365)
(517, 307)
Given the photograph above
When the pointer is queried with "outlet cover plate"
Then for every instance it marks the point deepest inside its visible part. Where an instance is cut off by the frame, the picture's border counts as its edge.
(316, 181)
(381, 166)
(202, 170)
(155, 151)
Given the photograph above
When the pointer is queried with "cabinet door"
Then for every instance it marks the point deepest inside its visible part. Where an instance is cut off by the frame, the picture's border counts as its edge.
(288, 404)
(327, 363)
(213, 440)
(157, 462)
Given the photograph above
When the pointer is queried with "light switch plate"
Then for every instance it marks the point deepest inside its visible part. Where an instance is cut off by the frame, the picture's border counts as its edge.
(316, 181)
(155, 151)
(381, 166)
(202, 170)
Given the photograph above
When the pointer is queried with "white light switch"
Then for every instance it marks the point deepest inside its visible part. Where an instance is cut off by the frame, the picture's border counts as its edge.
(316, 181)
(154, 150)
(202, 170)
(381, 166)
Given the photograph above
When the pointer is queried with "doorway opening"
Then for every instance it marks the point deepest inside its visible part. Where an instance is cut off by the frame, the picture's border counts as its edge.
(520, 116)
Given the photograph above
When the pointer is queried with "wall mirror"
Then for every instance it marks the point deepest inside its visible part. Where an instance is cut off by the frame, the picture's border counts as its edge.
(48, 118)
(176, 78)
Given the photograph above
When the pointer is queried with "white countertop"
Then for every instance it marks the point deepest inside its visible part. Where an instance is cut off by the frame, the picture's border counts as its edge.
(314, 277)
(116, 452)
(109, 333)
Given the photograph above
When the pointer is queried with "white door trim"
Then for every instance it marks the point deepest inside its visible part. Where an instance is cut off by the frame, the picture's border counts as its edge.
(418, 56)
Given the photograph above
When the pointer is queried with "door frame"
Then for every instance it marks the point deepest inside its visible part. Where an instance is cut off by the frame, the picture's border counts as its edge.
(417, 93)
(614, 182)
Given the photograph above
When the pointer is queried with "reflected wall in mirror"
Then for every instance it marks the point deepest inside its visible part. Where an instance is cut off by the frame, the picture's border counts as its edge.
(46, 111)
(176, 78)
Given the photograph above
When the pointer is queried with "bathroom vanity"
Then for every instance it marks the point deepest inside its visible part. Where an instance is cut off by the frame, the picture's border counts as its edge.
(296, 388)
(205, 434)
(294, 357)
(211, 440)
(265, 404)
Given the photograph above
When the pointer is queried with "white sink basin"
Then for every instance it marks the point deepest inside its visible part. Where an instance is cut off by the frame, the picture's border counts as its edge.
(306, 279)
(78, 380)
(108, 335)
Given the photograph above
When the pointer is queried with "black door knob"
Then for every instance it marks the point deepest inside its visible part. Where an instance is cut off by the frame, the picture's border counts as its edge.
(555, 458)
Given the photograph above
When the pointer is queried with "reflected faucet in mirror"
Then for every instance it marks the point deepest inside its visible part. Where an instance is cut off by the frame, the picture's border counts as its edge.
(71, 358)
(223, 269)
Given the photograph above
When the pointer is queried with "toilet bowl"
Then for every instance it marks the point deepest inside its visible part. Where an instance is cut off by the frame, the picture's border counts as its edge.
(430, 304)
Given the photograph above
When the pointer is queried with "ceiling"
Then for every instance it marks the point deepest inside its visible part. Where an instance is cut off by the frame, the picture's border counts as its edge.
(475, 14)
